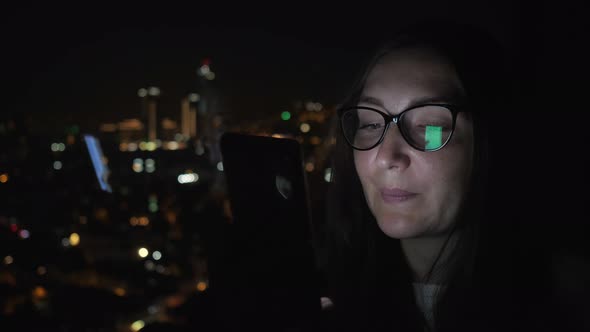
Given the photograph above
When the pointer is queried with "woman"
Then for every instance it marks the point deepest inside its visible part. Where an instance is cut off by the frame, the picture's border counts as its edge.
(413, 243)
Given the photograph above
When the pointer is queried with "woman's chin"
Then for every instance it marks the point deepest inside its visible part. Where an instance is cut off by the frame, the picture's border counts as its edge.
(399, 229)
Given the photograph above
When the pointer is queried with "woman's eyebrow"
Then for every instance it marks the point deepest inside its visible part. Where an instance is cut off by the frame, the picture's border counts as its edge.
(371, 100)
(432, 99)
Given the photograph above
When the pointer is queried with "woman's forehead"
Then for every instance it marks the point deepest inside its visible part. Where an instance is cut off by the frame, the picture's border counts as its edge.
(414, 65)
(406, 75)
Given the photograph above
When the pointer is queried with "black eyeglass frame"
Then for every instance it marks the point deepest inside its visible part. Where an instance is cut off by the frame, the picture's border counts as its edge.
(454, 109)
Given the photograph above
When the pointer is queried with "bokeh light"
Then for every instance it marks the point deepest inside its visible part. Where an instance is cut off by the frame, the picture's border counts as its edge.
(143, 252)
(74, 239)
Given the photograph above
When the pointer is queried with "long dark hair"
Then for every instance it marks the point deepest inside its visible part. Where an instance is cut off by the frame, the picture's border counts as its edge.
(366, 272)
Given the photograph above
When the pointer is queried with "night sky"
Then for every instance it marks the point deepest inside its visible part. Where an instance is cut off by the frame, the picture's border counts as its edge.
(84, 64)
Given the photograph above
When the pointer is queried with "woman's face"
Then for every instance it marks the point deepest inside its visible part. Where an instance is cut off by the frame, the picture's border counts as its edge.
(413, 193)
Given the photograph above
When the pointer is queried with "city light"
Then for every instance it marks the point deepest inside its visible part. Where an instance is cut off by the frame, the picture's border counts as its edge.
(74, 239)
(313, 107)
(41, 270)
(156, 255)
(143, 252)
(150, 146)
(65, 242)
(201, 286)
(153, 207)
(3, 178)
(328, 175)
(57, 165)
(139, 221)
(204, 70)
(142, 92)
(24, 234)
(137, 325)
(8, 260)
(39, 293)
(309, 166)
(153, 309)
(220, 166)
(153, 91)
(150, 165)
(55, 147)
(188, 178)
(149, 265)
(153, 203)
(119, 291)
(173, 145)
(194, 97)
(132, 147)
(286, 115)
(137, 165)
(305, 127)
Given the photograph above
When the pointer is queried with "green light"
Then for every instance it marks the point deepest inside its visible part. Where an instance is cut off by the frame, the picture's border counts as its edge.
(153, 207)
(285, 115)
(433, 137)
(73, 130)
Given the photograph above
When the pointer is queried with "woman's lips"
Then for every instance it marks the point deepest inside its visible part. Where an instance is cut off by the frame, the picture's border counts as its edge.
(396, 195)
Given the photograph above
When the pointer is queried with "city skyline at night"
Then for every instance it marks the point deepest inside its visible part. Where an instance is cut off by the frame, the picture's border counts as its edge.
(70, 69)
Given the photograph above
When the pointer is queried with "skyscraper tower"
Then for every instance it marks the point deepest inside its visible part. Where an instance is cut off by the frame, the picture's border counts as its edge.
(188, 115)
(149, 107)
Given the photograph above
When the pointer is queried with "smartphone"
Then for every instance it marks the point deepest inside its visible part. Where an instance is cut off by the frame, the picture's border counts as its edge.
(274, 275)
(99, 162)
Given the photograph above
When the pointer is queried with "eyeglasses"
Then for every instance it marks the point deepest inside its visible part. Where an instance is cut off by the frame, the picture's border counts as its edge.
(426, 127)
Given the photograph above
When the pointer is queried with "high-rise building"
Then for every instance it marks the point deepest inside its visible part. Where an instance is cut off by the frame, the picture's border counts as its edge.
(188, 116)
(149, 107)
(185, 117)
(152, 120)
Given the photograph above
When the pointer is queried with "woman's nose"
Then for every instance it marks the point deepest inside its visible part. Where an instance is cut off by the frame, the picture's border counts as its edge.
(393, 150)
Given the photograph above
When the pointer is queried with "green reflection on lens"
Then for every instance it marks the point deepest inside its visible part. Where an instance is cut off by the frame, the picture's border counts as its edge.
(433, 137)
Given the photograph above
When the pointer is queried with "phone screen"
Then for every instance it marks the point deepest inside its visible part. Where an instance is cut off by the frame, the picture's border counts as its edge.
(99, 163)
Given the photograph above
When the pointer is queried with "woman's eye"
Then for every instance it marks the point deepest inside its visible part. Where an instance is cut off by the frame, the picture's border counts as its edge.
(370, 126)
